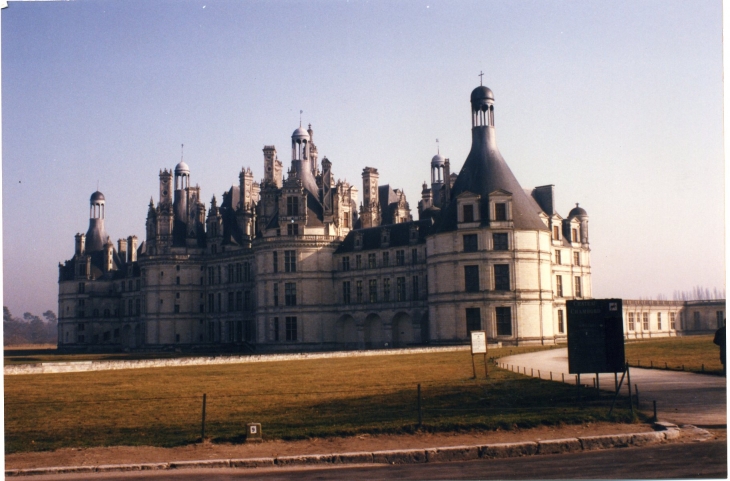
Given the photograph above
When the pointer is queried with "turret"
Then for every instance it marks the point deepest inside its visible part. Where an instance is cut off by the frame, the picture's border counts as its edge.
(582, 216)
(96, 236)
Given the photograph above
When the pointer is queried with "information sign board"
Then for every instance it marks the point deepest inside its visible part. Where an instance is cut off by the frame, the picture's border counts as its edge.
(595, 336)
(478, 342)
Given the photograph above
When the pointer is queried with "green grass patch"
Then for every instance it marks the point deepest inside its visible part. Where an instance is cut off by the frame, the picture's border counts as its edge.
(689, 353)
(292, 400)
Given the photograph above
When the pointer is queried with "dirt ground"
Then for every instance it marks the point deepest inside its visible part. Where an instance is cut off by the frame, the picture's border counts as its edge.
(148, 454)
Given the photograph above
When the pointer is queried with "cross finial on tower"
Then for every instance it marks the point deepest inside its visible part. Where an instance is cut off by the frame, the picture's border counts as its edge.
(438, 150)
(300, 117)
(182, 147)
(481, 75)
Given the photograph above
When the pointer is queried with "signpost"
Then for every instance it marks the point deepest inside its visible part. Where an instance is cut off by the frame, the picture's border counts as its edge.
(596, 339)
(479, 346)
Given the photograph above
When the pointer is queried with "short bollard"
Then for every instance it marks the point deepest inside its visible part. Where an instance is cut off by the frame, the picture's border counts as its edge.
(253, 433)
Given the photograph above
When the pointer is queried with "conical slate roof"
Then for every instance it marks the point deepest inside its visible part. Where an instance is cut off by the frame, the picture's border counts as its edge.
(484, 172)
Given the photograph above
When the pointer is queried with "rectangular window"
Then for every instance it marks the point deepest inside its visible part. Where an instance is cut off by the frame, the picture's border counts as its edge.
(211, 276)
(290, 293)
(471, 278)
(561, 322)
(632, 325)
(246, 272)
(578, 290)
(386, 259)
(81, 327)
(386, 289)
(276, 261)
(82, 287)
(556, 233)
(220, 302)
(290, 261)
(576, 258)
(239, 301)
(358, 291)
(558, 257)
(346, 219)
(292, 229)
(400, 288)
(720, 317)
(276, 328)
(470, 243)
(231, 304)
(501, 277)
(346, 263)
(373, 290)
(247, 304)
(220, 276)
(559, 286)
(504, 321)
(414, 256)
(672, 320)
(473, 319)
(575, 235)
(346, 292)
(211, 302)
(400, 257)
(416, 295)
(291, 328)
(500, 242)
(231, 273)
(138, 307)
(358, 261)
(371, 261)
(211, 331)
(276, 294)
(659, 321)
(500, 211)
(468, 213)
(645, 321)
(292, 206)
(238, 273)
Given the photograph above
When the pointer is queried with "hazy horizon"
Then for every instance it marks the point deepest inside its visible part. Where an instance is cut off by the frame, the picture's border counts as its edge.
(618, 104)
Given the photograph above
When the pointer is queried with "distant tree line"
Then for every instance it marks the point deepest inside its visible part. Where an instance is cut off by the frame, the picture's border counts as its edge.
(699, 293)
(30, 329)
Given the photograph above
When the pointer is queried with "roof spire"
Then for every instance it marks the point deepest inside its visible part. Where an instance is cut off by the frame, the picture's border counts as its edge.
(481, 74)
(438, 150)
(182, 147)
(300, 118)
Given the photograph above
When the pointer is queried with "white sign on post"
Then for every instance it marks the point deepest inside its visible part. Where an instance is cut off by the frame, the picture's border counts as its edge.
(478, 342)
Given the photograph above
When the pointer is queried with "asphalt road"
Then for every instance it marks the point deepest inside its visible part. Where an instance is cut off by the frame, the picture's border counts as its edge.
(682, 397)
(694, 460)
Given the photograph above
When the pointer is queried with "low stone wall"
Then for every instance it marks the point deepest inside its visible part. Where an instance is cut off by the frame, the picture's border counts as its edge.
(84, 366)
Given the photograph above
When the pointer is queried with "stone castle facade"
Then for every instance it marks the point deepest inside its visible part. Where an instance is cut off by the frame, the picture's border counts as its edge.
(298, 261)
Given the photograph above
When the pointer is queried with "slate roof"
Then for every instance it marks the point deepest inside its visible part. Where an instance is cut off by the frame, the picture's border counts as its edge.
(372, 238)
(485, 171)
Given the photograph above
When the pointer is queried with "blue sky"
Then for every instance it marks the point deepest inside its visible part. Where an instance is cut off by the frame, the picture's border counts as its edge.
(618, 104)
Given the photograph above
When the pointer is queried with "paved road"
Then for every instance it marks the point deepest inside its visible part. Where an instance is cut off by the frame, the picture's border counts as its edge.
(682, 397)
(697, 460)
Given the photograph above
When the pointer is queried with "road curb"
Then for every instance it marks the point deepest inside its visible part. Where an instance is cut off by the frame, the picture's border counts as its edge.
(664, 432)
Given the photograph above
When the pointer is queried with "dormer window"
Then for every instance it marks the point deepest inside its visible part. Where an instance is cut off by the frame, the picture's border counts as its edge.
(468, 213)
(292, 229)
(575, 235)
(500, 211)
(292, 206)
(556, 233)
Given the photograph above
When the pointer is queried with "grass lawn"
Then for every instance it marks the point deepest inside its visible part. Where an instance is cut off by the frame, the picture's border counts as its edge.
(292, 399)
(692, 352)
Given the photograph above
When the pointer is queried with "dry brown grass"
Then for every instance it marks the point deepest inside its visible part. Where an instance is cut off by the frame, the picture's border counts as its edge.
(292, 399)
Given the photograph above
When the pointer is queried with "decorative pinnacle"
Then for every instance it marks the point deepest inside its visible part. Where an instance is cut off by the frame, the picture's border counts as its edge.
(182, 147)
(481, 74)
(300, 118)
(438, 150)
